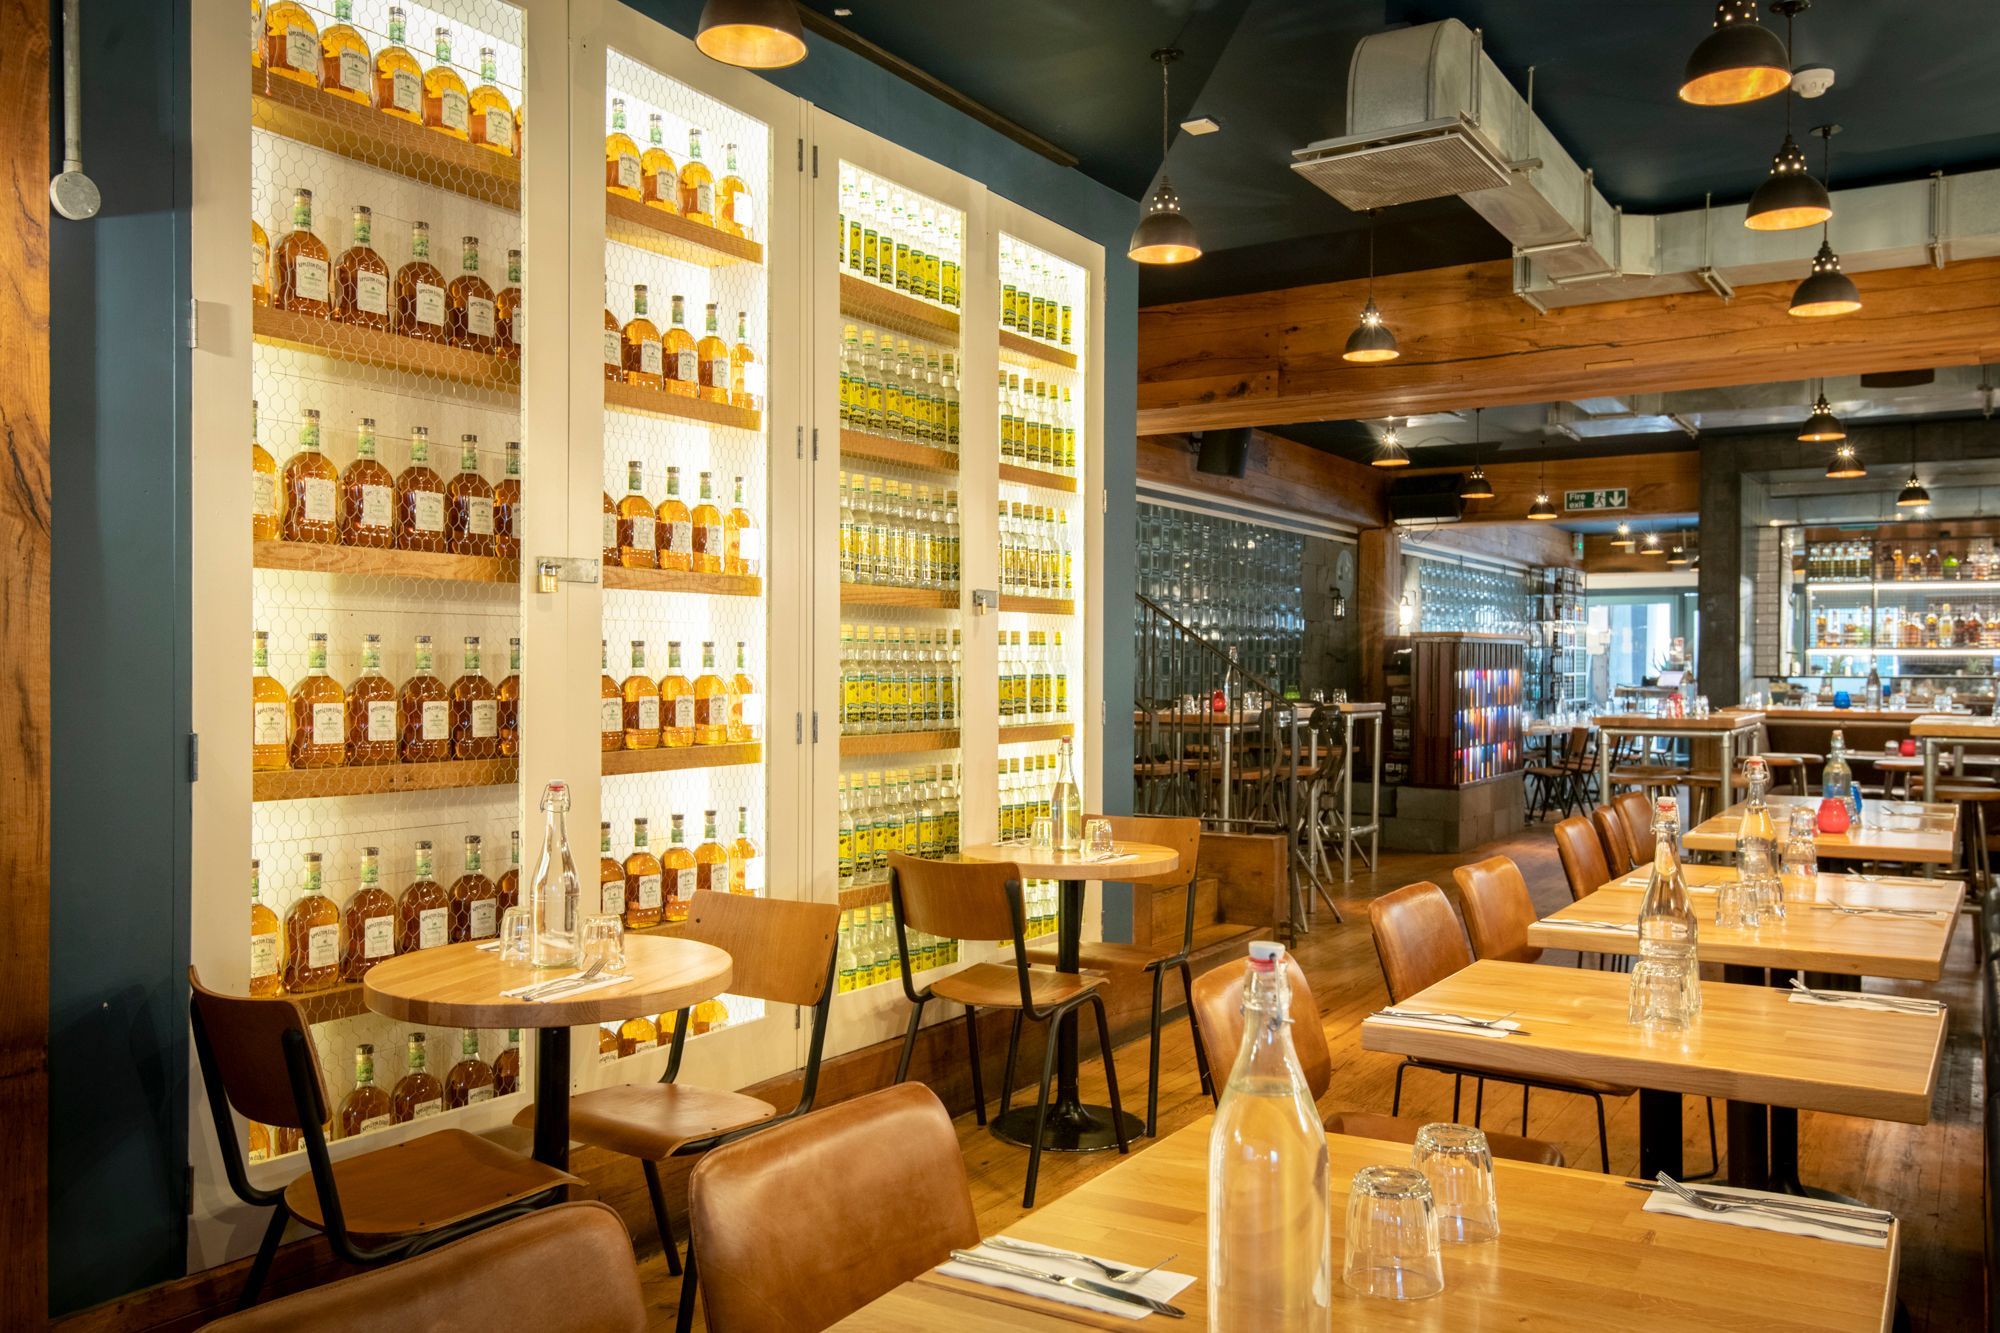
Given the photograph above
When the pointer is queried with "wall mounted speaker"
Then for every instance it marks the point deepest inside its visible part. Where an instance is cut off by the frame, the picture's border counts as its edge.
(1223, 453)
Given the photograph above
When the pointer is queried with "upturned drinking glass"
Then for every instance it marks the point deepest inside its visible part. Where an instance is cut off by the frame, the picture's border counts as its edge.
(1457, 1162)
(1392, 1235)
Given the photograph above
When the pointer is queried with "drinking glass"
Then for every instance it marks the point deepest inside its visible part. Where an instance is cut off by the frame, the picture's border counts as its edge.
(1658, 998)
(1392, 1235)
(517, 936)
(1730, 904)
(603, 937)
(1458, 1164)
(1097, 838)
(1041, 833)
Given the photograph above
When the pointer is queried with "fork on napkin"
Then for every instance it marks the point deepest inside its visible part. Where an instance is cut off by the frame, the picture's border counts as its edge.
(1888, 1004)
(1427, 1021)
(1783, 1213)
(1160, 1286)
(562, 988)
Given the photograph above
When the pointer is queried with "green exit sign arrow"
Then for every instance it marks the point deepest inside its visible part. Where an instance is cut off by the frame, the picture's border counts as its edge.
(1584, 501)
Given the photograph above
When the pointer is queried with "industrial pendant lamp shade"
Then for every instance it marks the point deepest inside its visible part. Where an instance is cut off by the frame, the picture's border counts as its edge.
(1542, 510)
(756, 34)
(1679, 554)
(1846, 464)
(1913, 493)
(1623, 540)
(1164, 235)
(1822, 427)
(1741, 61)
(1789, 198)
(1826, 290)
(1475, 486)
(1390, 452)
(1371, 340)
(1652, 546)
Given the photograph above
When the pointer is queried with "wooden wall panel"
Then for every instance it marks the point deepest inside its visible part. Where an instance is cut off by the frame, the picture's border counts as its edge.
(1661, 483)
(1280, 475)
(24, 663)
(1522, 543)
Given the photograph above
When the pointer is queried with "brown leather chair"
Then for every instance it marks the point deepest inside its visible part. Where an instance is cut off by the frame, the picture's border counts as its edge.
(981, 900)
(1218, 994)
(1619, 856)
(566, 1269)
(258, 1060)
(1498, 910)
(1635, 811)
(1184, 836)
(1582, 857)
(1419, 943)
(773, 1214)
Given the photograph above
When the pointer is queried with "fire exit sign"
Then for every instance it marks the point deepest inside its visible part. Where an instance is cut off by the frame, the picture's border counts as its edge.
(1573, 501)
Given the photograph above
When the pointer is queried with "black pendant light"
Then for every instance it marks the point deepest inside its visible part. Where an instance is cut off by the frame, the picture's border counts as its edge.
(1390, 452)
(1913, 494)
(1678, 553)
(1652, 544)
(1846, 464)
(1164, 235)
(1474, 486)
(1826, 290)
(1741, 61)
(755, 34)
(1371, 340)
(1789, 198)
(1542, 510)
(1822, 427)
(1622, 539)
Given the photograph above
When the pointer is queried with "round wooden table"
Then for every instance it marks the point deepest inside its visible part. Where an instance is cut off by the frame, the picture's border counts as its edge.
(459, 985)
(1072, 1126)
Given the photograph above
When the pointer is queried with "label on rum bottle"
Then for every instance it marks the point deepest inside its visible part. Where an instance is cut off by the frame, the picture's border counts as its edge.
(268, 724)
(329, 724)
(371, 293)
(322, 946)
(611, 716)
(353, 73)
(378, 937)
(607, 1055)
(628, 172)
(680, 537)
(479, 517)
(712, 877)
(485, 918)
(479, 317)
(259, 252)
(263, 494)
(704, 199)
(753, 711)
(643, 534)
(708, 540)
(712, 711)
(684, 366)
(378, 507)
(427, 511)
(610, 531)
(498, 127)
(684, 885)
(648, 896)
(753, 875)
(309, 278)
(715, 373)
(649, 356)
(435, 1106)
(432, 928)
(263, 956)
(485, 719)
(452, 109)
(382, 720)
(649, 713)
(301, 48)
(482, 1093)
(614, 897)
(683, 711)
(612, 348)
(373, 1122)
(406, 93)
(437, 720)
(430, 304)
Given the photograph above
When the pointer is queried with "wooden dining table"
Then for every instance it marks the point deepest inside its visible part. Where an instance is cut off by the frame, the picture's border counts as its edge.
(1937, 731)
(1917, 832)
(1577, 1250)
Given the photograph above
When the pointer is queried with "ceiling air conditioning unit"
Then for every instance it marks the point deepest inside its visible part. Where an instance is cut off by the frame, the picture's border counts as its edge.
(1424, 501)
(1427, 160)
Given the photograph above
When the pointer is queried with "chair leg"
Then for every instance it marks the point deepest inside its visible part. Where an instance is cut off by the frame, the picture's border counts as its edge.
(1013, 1049)
(274, 1231)
(1525, 1090)
(1603, 1137)
(1396, 1102)
(660, 1218)
(1153, 1062)
(1041, 1119)
(684, 1317)
(1110, 1072)
(1194, 1030)
(1714, 1154)
(1457, 1089)
(910, 1040)
(972, 1046)
(1478, 1101)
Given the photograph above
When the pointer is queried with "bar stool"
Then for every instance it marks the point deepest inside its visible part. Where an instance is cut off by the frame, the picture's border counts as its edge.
(1973, 798)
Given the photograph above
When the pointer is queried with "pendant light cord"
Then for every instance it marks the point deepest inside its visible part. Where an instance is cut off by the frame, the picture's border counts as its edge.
(1165, 114)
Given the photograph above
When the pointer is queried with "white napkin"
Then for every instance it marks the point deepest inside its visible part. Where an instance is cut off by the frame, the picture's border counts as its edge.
(572, 992)
(1861, 1000)
(1506, 1027)
(1641, 881)
(1793, 1222)
(1612, 927)
(1161, 1286)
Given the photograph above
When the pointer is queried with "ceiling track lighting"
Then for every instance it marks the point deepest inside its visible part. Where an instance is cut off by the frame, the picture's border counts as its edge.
(1826, 290)
(1622, 539)
(1846, 464)
(1474, 485)
(1164, 235)
(1822, 427)
(1740, 61)
(1390, 452)
(1789, 198)
(1371, 340)
(754, 34)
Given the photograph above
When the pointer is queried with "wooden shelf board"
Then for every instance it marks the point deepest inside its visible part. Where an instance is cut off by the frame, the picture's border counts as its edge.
(673, 580)
(363, 134)
(1037, 731)
(870, 594)
(648, 228)
(299, 784)
(385, 351)
(364, 561)
(660, 403)
(1034, 476)
(899, 742)
(678, 758)
(1044, 606)
(1034, 349)
(892, 309)
(665, 928)
(881, 449)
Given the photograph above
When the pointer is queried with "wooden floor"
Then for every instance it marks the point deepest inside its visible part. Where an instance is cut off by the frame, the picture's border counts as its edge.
(1928, 1174)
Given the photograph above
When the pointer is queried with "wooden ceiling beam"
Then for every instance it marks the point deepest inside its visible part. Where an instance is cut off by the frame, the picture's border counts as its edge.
(1273, 358)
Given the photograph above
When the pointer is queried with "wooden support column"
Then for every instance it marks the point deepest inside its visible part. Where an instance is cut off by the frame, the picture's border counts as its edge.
(1378, 587)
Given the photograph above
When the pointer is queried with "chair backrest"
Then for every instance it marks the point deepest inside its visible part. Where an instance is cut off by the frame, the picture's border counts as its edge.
(566, 1269)
(745, 1206)
(1181, 834)
(1636, 812)
(1217, 998)
(780, 951)
(1582, 856)
(1418, 939)
(1578, 747)
(1498, 910)
(957, 900)
(1610, 825)
(241, 1042)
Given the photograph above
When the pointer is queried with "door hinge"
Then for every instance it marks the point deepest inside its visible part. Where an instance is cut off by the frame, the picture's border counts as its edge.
(815, 161)
(799, 444)
(815, 726)
(1104, 502)
(194, 323)
(194, 756)
(815, 444)
(802, 155)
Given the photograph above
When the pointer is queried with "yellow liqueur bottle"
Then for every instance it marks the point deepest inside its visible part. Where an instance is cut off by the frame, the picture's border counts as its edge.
(508, 890)
(370, 919)
(425, 711)
(399, 80)
(420, 291)
(360, 278)
(447, 108)
(420, 510)
(418, 1094)
(677, 873)
(641, 700)
(508, 697)
(300, 267)
(679, 357)
(343, 57)
(270, 711)
(711, 859)
(471, 1079)
(697, 185)
(611, 704)
(643, 903)
(312, 936)
(614, 343)
(638, 532)
(736, 208)
(742, 539)
(469, 310)
(641, 353)
(367, 495)
(746, 858)
(423, 912)
(507, 507)
(507, 1066)
(264, 942)
(492, 114)
(475, 710)
(309, 487)
(708, 542)
(469, 504)
(371, 710)
(746, 373)
(675, 527)
(637, 1034)
(474, 907)
(711, 702)
(367, 1106)
(319, 713)
(260, 264)
(746, 704)
(291, 43)
(510, 316)
(610, 875)
(660, 180)
(676, 701)
(712, 364)
(263, 487)
(622, 172)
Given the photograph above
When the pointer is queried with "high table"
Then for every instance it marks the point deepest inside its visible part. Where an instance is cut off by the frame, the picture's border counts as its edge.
(459, 986)
(1350, 713)
(1750, 1045)
(1723, 725)
(1954, 729)
(1072, 1125)
(1914, 831)
(1576, 1250)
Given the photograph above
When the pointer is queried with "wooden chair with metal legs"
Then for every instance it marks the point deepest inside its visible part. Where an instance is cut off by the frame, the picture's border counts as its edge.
(1218, 994)
(258, 1060)
(1184, 836)
(781, 952)
(1582, 857)
(1635, 812)
(1419, 942)
(1619, 856)
(977, 900)
(774, 1214)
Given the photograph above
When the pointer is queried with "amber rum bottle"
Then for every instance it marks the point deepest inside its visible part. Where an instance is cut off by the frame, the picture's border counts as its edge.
(637, 1034)
(614, 342)
(711, 359)
(510, 317)
(263, 487)
(642, 882)
(746, 705)
(706, 520)
(610, 875)
(399, 80)
(735, 208)
(367, 496)
(367, 1107)
(370, 919)
(678, 873)
(675, 528)
(423, 913)
(270, 711)
(264, 943)
(471, 1079)
(426, 711)
(639, 345)
(420, 513)
(260, 264)
(507, 1066)
(641, 700)
(291, 42)
(469, 504)
(418, 1093)
(746, 377)
(742, 539)
(676, 701)
(637, 532)
(319, 713)
(343, 57)
(508, 697)
(678, 355)
(310, 485)
(360, 278)
(507, 507)
(711, 859)
(300, 267)
(660, 183)
(746, 858)
(475, 710)
(372, 719)
(469, 302)
(420, 300)
(697, 185)
(475, 903)
(507, 893)
(711, 702)
(492, 125)
(621, 157)
(611, 703)
(447, 108)
(312, 936)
